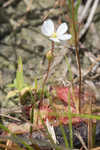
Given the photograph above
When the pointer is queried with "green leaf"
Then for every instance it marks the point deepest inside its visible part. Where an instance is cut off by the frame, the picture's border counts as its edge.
(19, 81)
(76, 9)
(31, 119)
(11, 94)
(70, 7)
(36, 84)
(64, 136)
(13, 85)
(69, 69)
(32, 115)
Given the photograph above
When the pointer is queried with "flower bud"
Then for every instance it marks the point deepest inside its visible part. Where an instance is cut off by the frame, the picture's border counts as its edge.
(49, 55)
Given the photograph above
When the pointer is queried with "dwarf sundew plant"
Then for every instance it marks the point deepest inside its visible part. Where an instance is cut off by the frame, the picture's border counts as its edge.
(48, 29)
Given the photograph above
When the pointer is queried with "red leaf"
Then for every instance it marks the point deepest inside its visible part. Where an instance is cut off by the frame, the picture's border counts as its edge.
(62, 93)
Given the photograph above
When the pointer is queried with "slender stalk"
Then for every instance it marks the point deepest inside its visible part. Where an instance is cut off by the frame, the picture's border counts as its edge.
(52, 49)
(77, 51)
(48, 70)
(46, 77)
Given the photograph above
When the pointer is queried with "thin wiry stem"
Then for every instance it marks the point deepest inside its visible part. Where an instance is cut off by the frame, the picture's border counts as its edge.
(46, 77)
(77, 51)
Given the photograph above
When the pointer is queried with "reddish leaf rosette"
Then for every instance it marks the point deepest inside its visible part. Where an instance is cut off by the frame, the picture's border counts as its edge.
(57, 112)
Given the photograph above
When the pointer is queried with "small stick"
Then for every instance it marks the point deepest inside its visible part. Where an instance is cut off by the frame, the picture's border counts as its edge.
(85, 11)
(81, 140)
(90, 18)
(10, 117)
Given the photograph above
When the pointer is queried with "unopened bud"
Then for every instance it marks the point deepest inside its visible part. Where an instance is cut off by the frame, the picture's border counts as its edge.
(49, 55)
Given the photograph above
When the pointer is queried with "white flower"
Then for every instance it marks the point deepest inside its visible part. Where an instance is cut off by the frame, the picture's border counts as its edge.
(60, 35)
(51, 131)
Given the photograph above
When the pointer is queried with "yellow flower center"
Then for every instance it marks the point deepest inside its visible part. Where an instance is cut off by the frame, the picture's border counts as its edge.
(54, 35)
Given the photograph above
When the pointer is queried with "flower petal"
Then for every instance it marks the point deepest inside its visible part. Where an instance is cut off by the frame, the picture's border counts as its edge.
(62, 29)
(64, 37)
(48, 27)
(55, 40)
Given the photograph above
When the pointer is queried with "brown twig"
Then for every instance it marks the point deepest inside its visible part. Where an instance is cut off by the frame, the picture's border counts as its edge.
(85, 11)
(77, 134)
(9, 117)
(90, 18)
